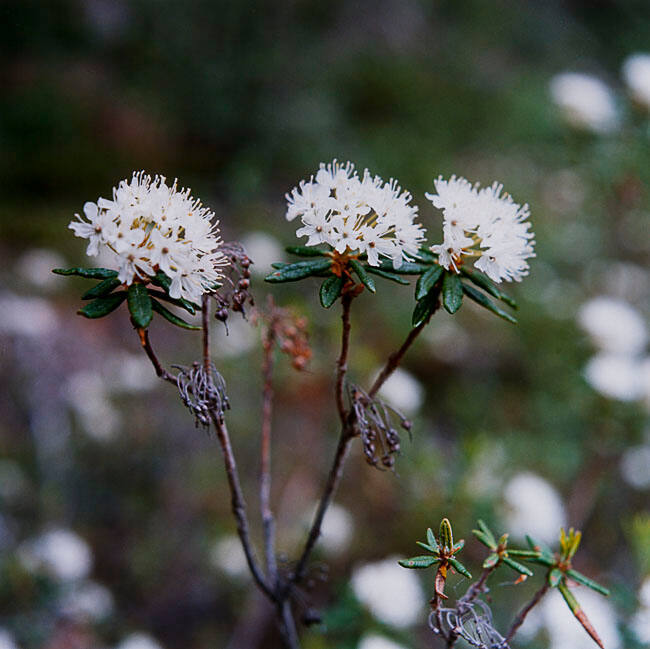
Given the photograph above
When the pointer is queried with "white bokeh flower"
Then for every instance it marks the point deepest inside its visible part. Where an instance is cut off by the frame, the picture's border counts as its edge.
(60, 552)
(636, 74)
(7, 640)
(532, 506)
(356, 215)
(616, 376)
(337, 529)
(26, 316)
(36, 266)
(613, 325)
(87, 601)
(151, 226)
(403, 391)
(393, 595)
(262, 249)
(640, 622)
(375, 641)
(585, 101)
(635, 466)
(228, 556)
(139, 640)
(485, 225)
(88, 395)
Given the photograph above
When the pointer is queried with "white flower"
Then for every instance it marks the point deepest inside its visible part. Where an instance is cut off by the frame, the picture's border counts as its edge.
(614, 325)
(151, 226)
(36, 267)
(483, 224)
(139, 641)
(356, 215)
(374, 641)
(392, 594)
(337, 529)
(26, 316)
(532, 506)
(636, 73)
(89, 397)
(263, 249)
(635, 466)
(403, 391)
(228, 556)
(585, 101)
(87, 601)
(59, 552)
(616, 376)
(7, 640)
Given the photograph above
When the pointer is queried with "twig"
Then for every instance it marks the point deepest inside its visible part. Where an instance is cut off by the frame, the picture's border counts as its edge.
(205, 322)
(268, 521)
(519, 620)
(342, 363)
(159, 369)
(288, 625)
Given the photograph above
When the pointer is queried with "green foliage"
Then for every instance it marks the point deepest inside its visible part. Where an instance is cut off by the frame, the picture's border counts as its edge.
(330, 290)
(103, 288)
(299, 270)
(452, 292)
(171, 317)
(88, 273)
(363, 276)
(140, 305)
(102, 306)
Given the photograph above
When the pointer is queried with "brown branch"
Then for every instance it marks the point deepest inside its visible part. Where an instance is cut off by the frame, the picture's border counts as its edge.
(342, 363)
(268, 521)
(205, 323)
(519, 620)
(159, 369)
(288, 625)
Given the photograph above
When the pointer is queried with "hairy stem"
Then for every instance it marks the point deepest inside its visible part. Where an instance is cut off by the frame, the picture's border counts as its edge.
(519, 620)
(268, 520)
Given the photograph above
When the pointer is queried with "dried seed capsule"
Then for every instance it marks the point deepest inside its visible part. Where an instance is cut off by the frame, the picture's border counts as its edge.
(221, 314)
(388, 461)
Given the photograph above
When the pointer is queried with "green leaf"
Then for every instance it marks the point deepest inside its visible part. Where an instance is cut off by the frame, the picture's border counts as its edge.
(386, 275)
(102, 305)
(190, 307)
(445, 535)
(431, 540)
(426, 546)
(367, 281)
(172, 317)
(491, 560)
(524, 554)
(452, 292)
(298, 271)
(486, 303)
(545, 556)
(407, 267)
(140, 305)
(515, 565)
(89, 273)
(306, 251)
(423, 561)
(488, 286)
(103, 288)
(585, 581)
(279, 264)
(426, 255)
(460, 568)
(427, 280)
(555, 576)
(423, 310)
(459, 546)
(487, 531)
(569, 598)
(330, 290)
(579, 614)
(483, 538)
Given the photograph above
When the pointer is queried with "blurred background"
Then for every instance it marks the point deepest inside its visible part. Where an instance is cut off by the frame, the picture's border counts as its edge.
(114, 515)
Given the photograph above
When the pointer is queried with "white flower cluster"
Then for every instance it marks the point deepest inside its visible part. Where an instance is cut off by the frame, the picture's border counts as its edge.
(152, 226)
(636, 73)
(483, 224)
(358, 215)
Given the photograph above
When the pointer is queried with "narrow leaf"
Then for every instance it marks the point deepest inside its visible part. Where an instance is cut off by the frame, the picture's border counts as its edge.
(491, 560)
(182, 303)
(306, 251)
(555, 577)
(102, 305)
(140, 305)
(585, 581)
(524, 554)
(427, 280)
(431, 540)
(452, 292)
(579, 614)
(488, 286)
(367, 281)
(279, 264)
(386, 275)
(423, 561)
(446, 535)
(460, 568)
(407, 267)
(298, 271)
(330, 290)
(89, 273)
(103, 288)
(423, 309)
(484, 539)
(459, 546)
(519, 567)
(487, 531)
(426, 255)
(172, 317)
(426, 546)
(486, 303)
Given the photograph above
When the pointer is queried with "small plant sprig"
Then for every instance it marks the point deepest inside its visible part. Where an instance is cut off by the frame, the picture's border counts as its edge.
(471, 617)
